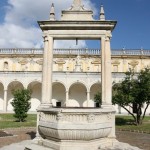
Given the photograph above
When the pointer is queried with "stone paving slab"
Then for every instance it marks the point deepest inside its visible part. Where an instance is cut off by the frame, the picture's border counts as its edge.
(22, 145)
(16, 146)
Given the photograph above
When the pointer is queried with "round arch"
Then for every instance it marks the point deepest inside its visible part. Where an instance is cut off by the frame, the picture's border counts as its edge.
(77, 95)
(58, 93)
(36, 89)
(78, 82)
(1, 96)
(14, 85)
(60, 82)
(94, 89)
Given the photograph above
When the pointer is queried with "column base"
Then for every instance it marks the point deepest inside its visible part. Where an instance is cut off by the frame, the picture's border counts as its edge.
(107, 106)
(45, 105)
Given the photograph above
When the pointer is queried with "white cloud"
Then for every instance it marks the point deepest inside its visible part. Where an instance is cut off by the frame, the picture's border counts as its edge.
(18, 37)
(20, 29)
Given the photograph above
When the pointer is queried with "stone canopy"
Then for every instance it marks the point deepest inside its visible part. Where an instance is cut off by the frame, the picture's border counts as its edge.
(86, 128)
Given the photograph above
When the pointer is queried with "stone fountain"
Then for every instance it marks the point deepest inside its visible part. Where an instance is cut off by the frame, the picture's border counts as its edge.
(72, 128)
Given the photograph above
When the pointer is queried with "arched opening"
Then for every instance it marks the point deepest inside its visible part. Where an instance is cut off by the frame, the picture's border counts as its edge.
(36, 89)
(15, 85)
(95, 88)
(77, 95)
(1, 96)
(58, 94)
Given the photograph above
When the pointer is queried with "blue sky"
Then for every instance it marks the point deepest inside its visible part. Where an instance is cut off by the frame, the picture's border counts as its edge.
(18, 22)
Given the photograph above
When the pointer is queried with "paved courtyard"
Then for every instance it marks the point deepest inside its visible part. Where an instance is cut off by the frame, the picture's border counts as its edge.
(135, 139)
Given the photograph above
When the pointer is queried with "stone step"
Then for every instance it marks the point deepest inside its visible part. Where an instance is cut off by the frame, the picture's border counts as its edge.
(36, 147)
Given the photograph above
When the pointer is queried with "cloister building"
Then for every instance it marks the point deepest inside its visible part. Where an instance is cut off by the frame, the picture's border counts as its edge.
(75, 74)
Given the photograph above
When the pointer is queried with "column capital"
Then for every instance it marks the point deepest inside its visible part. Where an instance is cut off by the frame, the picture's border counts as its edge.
(107, 38)
(45, 38)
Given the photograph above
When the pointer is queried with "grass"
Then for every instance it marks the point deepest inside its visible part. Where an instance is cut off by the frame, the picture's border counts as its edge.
(126, 123)
(122, 123)
(8, 121)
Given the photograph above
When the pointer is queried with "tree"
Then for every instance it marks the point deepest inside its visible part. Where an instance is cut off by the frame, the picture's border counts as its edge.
(134, 91)
(21, 104)
(97, 98)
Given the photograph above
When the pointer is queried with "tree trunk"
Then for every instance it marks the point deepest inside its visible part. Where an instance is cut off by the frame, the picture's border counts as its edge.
(134, 117)
(138, 117)
(145, 111)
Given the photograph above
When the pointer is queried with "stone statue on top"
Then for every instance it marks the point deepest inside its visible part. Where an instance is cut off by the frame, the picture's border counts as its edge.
(77, 5)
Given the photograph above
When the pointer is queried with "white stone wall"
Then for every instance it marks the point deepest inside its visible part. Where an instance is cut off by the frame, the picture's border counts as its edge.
(78, 86)
(71, 85)
(67, 63)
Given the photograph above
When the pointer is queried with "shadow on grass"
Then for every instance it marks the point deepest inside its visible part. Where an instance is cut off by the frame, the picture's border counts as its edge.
(123, 121)
(20, 121)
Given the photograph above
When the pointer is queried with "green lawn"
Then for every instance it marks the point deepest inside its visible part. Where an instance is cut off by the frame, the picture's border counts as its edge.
(8, 121)
(122, 123)
(126, 123)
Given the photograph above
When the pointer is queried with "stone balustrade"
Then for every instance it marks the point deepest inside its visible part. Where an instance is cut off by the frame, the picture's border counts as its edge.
(73, 51)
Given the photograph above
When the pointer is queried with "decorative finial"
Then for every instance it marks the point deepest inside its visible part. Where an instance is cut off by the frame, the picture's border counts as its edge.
(102, 13)
(52, 13)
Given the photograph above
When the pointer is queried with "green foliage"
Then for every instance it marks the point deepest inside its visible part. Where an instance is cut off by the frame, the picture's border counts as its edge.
(21, 104)
(134, 89)
(98, 98)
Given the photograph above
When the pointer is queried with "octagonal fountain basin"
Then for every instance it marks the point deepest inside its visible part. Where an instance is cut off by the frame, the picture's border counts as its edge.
(75, 123)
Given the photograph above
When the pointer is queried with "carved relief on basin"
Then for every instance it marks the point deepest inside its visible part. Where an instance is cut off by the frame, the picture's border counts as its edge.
(75, 124)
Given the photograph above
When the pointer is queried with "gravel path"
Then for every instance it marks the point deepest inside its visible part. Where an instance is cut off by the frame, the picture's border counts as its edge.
(140, 140)
(18, 136)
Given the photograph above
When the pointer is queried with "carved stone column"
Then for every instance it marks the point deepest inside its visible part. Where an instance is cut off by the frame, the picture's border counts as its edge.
(38, 138)
(67, 98)
(5, 101)
(106, 77)
(47, 72)
(88, 99)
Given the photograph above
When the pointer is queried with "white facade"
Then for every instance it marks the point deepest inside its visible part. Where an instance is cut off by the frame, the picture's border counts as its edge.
(75, 71)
